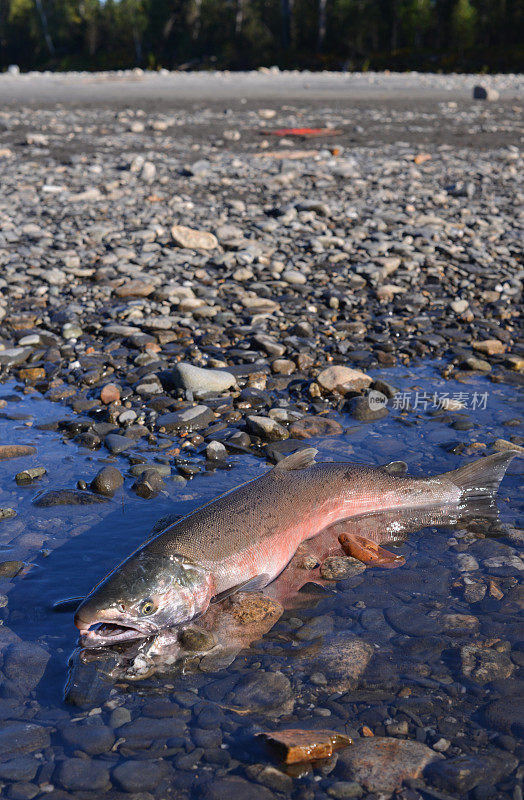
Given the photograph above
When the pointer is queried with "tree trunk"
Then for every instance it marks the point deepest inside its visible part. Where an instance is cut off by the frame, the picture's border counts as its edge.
(239, 18)
(322, 4)
(287, 23)
(198, 19)
(45, 27)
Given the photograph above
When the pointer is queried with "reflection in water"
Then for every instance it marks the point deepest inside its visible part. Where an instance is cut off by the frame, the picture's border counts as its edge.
(215, 639)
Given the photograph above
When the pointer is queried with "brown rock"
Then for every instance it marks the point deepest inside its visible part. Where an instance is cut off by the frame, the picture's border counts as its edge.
(515, 362)
(336, 568)
(305, 360)
(381, 764)
(295, 745)
(315, 426)
(490, 347)
(19, 322)
(259, 305)
(9, 569)
(30, 475)
(387, 292)
(31, 374)
(57, 393)
(343, 379)
(421, 158)
(197, 640)
(135, 288)
(110, 393)
(192, 239)
(15, 451)
(283, 366)
(247, 608)
(502, 444)
(495, 591)
(484, 664)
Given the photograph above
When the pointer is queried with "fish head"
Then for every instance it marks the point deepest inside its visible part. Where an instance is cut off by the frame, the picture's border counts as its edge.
(145, 594)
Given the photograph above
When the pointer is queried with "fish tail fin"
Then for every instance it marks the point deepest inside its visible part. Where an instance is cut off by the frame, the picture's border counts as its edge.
(482, 477)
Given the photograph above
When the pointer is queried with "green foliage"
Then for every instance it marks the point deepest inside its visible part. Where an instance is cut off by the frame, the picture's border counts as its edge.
(463, 24)
(360, 34)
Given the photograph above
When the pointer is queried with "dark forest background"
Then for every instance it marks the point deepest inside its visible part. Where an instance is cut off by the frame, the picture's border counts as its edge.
(447, 35)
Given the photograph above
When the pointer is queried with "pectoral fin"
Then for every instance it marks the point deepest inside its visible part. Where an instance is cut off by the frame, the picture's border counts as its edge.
(252, 585)
(369, 552)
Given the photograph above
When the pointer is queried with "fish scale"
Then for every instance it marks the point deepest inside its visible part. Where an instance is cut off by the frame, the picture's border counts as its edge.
(271, 515)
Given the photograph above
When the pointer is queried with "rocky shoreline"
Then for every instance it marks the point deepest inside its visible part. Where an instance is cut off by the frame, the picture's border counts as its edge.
(180, 292)
(151, 247)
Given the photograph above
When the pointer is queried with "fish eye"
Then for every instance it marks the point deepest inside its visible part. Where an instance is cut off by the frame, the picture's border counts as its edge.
(147, 607)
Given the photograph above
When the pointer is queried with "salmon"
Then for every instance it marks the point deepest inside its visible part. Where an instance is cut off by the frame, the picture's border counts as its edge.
(243, 539)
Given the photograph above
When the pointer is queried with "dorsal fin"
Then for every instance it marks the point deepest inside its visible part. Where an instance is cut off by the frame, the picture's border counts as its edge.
(395, 468)
(299, 460)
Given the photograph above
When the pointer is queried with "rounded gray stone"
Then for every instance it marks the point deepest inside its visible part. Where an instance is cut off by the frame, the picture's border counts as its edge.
(82, 774)
(137, 776)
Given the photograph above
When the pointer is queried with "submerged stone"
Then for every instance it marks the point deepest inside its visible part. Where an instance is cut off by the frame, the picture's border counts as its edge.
(68, 497)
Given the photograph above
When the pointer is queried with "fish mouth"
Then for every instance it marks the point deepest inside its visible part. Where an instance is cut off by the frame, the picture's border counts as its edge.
(106, 632)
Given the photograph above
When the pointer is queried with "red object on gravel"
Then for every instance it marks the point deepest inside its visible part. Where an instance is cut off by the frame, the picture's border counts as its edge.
(306, 132)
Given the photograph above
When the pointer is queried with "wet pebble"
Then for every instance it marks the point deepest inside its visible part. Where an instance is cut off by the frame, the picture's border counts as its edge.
(80, 775)
(107, 481)
(68, 497)
(20, 738)
(310, 426)
(119, 716)
(23, 668)
(116, 443)
(149, 484)
(91, 739)
(15, 451)
(268, 693)
(29, 475)
(234, 786)
(461, 774)
(341, 790)
(362, 410)
(196, 379)
(138, 776)
(383, 764)
(343, 659)
(483, 664)
(336, 568)
(8, 569)
(22, 768)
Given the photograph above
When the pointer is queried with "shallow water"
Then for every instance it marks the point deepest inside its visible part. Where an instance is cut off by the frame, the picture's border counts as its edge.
(403, 633)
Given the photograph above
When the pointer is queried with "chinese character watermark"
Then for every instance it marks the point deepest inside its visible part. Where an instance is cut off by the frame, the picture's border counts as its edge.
(430, 401)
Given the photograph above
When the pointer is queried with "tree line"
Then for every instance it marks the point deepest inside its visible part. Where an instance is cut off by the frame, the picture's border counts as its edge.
(446, 35)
